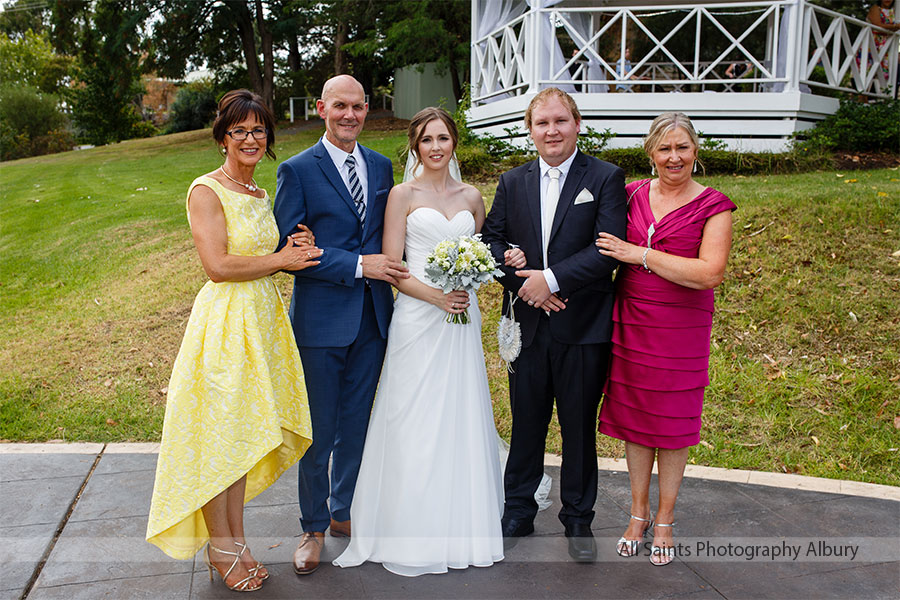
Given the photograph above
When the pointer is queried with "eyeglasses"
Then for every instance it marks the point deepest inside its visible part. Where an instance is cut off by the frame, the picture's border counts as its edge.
(239, 135)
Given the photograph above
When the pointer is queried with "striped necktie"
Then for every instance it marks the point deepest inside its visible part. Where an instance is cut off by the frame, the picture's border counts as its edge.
(356, 191)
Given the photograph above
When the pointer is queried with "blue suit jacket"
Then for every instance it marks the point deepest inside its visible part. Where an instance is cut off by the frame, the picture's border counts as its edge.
(327, 303)
(584, 275)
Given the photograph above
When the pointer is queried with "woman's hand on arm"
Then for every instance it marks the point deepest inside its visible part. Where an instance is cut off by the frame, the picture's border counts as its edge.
(701, 273)
(515, 258)
(622, 251)
(210, 234)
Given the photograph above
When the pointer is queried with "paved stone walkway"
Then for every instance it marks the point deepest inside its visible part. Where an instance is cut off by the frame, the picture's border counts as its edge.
(72, 522)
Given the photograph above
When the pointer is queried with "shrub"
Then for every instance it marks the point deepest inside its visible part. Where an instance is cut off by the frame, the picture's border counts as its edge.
(194, 107)
(30, 123)
(143, 129)
(632, 160)
(593, 142)
(856, 127)
(474, 161)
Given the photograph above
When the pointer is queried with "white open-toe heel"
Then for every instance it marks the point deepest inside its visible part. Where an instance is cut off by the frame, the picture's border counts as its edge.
(662, 555)
(626, 547)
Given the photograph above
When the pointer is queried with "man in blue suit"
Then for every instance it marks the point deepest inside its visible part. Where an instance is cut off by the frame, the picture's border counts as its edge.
(340, 309)
(552, 209)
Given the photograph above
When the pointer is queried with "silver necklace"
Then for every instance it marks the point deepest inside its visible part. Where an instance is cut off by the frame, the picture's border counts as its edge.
(251, 187)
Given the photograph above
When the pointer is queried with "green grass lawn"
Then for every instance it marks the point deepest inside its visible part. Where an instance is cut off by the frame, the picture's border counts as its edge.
(98, 274)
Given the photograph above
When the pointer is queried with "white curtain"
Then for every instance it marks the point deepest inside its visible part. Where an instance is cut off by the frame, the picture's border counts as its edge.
(581, 22)
(549, 46)
(492, 14)
(784, 28)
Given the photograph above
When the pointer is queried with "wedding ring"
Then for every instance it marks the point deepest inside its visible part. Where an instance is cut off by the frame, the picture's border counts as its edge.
(308, 254)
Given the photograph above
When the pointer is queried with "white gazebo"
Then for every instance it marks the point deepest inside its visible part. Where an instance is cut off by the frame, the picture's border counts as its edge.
(751, 73)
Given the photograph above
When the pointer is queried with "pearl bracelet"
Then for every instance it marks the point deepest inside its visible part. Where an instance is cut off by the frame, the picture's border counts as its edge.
(644, 260)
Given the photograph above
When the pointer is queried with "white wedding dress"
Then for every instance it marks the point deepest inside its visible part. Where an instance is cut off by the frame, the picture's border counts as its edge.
(429, 495)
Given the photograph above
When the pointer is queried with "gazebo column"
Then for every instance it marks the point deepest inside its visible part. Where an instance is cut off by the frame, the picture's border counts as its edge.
(797, 28)
(533, 54)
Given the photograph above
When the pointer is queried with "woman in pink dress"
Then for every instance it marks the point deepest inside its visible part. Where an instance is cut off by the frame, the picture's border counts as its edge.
(679, 236)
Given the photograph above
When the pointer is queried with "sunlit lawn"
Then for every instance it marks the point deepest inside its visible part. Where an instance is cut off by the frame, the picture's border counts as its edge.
(98, 274)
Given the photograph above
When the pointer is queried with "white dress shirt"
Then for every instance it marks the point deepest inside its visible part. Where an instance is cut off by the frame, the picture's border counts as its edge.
(545, 182)
(339, 157)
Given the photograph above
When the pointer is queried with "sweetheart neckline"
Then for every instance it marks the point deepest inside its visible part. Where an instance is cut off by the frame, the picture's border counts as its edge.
(450, 220)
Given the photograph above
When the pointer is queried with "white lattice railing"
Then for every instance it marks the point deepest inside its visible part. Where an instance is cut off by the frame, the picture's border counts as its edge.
(499, 61)
(844, 46)
(781, 41)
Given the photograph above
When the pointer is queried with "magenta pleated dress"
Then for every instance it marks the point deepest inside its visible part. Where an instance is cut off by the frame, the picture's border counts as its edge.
(659, 366)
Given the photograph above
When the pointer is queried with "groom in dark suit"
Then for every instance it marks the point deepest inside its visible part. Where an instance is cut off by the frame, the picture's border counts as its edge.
(552, 209)
(340, 309)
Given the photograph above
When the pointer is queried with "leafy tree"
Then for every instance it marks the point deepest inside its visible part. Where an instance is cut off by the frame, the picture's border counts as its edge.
(194, 107)
(30, 123)
(217, 34)
(20, 16)
(29, 60)
(104, 105)
(419, 31)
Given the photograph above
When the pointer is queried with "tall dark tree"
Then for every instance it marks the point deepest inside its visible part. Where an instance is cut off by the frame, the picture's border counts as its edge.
(217, 33)
(104, 103)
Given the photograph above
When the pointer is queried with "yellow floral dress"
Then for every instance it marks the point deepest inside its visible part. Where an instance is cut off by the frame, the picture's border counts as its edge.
(237, 398)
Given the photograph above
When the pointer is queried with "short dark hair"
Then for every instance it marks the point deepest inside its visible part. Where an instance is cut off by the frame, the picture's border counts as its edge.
(235, 106)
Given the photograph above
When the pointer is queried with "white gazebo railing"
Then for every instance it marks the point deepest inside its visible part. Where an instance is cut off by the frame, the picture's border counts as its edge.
(844, 46)
(683, 46)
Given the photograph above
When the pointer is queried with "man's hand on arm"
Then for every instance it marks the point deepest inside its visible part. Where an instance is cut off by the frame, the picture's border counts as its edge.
(535, 290)
(382, 266)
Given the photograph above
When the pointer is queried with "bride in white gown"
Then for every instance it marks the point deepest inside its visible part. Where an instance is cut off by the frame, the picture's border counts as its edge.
(429, 495)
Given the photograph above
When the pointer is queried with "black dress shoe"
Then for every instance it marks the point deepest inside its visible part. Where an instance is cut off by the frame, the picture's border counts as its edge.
(582, 546)
(513, 529)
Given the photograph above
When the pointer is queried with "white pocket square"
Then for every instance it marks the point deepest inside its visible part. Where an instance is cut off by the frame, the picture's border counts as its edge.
(583, 196)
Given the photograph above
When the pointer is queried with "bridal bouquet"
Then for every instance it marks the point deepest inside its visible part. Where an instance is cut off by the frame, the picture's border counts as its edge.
(462, 263)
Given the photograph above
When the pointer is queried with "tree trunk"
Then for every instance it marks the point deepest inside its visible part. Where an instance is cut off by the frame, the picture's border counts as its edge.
(268, 79)
(454, 79)
(244, 21)
(293, 54)
(340, 57)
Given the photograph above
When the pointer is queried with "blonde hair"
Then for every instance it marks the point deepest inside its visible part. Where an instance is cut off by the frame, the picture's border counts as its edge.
(416, 130)
(663, 124)
(543, 96)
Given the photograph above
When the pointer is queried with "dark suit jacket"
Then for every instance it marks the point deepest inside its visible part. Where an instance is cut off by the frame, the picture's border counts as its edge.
(326, 307)
(584, 275)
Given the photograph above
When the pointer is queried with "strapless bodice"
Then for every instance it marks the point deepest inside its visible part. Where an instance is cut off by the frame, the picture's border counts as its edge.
(425, 227)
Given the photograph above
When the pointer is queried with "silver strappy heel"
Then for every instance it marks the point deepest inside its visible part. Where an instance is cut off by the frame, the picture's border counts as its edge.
(660, 556)
(626, 547)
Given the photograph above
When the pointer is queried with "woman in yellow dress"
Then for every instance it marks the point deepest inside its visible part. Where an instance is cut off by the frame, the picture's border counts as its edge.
(236, 411)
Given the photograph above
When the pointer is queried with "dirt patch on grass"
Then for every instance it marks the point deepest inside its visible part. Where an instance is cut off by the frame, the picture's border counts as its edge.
(865, 160)
(379, 122)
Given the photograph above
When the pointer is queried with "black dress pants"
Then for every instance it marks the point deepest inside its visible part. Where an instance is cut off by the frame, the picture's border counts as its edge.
(573, 375)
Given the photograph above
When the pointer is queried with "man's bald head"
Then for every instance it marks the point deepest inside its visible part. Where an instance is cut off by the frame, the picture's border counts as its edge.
(342, 83)
(343, 107)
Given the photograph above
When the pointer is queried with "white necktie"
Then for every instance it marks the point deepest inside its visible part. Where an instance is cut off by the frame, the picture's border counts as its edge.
(551, 199)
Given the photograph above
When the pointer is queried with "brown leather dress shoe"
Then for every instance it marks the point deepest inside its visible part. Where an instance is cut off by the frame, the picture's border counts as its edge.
(340, 528)
(306, 557)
